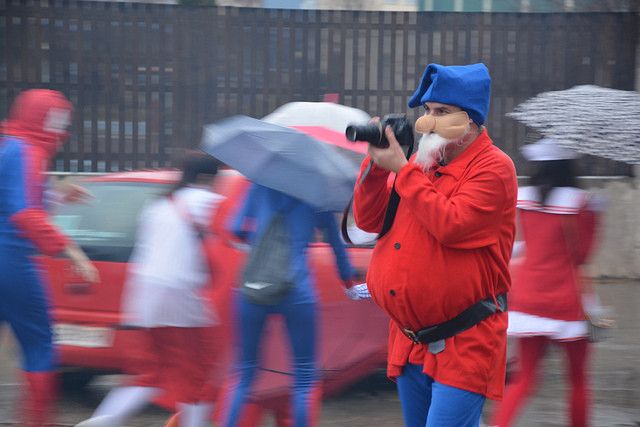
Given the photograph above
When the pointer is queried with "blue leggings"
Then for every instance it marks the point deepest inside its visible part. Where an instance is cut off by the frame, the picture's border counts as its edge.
(426, 403)
(25, 306)
(300, 320)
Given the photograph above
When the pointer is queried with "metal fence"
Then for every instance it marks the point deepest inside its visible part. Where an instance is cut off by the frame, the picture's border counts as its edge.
(145, 77)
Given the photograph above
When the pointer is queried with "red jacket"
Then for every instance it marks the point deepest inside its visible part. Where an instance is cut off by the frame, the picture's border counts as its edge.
(449, 248)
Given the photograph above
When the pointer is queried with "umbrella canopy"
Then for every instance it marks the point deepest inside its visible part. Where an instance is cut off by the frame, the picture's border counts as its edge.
(284, 159)
(588, 119)
(328, 115)
(325, 121)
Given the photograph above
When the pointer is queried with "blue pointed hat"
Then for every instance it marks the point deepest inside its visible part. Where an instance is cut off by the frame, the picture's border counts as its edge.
(465, 86)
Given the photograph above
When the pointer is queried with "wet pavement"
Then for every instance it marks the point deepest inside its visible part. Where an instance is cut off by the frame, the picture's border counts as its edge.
(615, 379)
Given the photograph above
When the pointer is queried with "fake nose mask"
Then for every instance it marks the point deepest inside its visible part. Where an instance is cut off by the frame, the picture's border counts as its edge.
(451, 126)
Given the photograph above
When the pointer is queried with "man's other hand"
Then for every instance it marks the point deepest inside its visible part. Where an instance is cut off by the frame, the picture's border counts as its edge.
(358, 292)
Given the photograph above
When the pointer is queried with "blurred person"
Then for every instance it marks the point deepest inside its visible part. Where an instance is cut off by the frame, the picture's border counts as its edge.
(546, 302)
(36, 127)
(169, 270)
(441, 270)
(298, 307)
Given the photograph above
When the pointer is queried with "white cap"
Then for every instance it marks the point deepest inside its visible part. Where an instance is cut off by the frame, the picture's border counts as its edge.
(547, 149)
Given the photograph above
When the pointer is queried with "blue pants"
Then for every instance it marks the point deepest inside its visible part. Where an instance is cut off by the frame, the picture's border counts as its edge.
(300, 319)
(25, 306)
(426, 403)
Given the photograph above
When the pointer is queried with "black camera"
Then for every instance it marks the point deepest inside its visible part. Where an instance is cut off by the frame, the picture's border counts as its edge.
(373, 133)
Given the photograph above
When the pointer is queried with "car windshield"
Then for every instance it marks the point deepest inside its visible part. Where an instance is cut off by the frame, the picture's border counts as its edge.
(105, 226)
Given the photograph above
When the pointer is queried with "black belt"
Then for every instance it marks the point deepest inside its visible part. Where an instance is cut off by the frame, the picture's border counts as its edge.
(463, 321)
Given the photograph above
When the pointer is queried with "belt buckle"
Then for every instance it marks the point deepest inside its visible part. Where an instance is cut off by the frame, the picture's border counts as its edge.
(411, 335)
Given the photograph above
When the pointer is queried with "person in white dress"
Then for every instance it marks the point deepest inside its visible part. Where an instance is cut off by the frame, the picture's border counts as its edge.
(550, 300)
(164, 295)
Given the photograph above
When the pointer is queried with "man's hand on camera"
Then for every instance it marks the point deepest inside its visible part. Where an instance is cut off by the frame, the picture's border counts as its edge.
(391, 158)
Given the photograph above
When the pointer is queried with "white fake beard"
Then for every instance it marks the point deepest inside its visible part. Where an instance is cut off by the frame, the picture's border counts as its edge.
(430, 150)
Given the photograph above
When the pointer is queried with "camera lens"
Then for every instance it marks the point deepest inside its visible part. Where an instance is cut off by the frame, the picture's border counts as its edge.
(368, 133)
(352, 133)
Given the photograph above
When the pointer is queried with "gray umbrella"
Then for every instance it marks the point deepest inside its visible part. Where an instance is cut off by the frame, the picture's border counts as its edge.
(588, 119)
(283, 159)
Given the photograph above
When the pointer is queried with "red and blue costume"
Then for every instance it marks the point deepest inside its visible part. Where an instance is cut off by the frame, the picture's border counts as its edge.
(30, 136)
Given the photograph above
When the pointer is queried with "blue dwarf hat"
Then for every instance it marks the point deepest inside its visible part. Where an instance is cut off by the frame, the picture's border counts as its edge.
(465, 86)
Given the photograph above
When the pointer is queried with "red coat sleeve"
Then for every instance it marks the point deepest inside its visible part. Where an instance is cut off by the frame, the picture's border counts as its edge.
(467, 219)
(371, 196)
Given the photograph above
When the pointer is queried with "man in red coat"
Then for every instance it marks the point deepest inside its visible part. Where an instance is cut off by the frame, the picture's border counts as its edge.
(441, 270)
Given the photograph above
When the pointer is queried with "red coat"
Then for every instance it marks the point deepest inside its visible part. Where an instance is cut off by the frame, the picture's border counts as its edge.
(449, 248)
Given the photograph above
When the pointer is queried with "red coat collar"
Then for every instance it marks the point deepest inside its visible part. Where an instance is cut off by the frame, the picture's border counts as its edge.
(457, 167)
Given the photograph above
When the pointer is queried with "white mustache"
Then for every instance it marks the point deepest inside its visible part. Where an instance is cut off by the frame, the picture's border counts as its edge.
(430, 150)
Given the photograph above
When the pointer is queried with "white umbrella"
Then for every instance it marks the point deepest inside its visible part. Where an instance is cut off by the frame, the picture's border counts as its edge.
(588, 119)
(322, 114)
(326, 122)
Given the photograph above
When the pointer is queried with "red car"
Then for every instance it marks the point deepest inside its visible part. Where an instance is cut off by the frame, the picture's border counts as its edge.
(87, 316)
